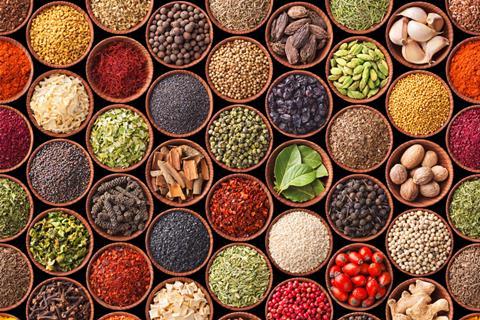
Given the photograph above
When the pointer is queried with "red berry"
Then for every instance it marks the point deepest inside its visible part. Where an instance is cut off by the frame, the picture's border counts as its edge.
(366, 253)
(334, 270)
(354, 302)
(355, 257)
(375, 269)
(339, 294)
(384, 279)
(378, 257)
(381, 292)
(364, 269)
(351, 269)
(359, 294)
(359, 280)
(343, 282)
(341, 259)
(372, 287)
(368, 302)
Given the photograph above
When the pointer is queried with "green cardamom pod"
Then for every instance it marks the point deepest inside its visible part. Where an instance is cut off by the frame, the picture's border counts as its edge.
(383, 67)
(365, 57)
(333, 77)
(352, 64)
(354, 85)
(383, 83)
(373, 75)
(363, 84)
(372, 92)
(347, 83)
(357, 76)
(336, 71)
(354, 94)
(352, 43)
(344, 46)
(365, 91)
(347, 70)
(341, 62)
(358, 69)
(341, 53)
(371, 84)
(333, 63)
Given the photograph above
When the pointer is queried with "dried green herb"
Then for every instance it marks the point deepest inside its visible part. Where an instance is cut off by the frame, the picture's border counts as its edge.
(14, 208)
(465, 208)
(359, 14)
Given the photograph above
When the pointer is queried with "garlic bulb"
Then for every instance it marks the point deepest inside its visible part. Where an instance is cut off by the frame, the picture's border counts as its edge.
(413, 53)
(434, 45)
(398, 31)
(420, 32)
(435, 21)
(415, 13)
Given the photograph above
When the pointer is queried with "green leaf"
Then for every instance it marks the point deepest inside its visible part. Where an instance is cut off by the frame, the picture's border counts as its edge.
(310, 156)
(305, 193)
(321, 172)
(298, 175)
(288, 157)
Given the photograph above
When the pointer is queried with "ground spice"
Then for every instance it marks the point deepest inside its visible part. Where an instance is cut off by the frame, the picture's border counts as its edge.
(464, 138)
(15, 138)
(464, 70)
(239, 15)
(15, 276)
(12, 14)
(12, 318)
(15, 70)
(464, 208)
(466, 13)
(120, 15)
(14, 208)
(464, 276)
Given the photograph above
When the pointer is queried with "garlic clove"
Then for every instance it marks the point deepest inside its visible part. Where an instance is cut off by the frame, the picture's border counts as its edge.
(413, 53)
(398, 31)
(435, 21)
(415, 13)
(420, 32)
(434, 45)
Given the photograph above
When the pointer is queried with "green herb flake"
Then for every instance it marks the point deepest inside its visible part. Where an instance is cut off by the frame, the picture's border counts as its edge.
(465, 208)
(14, 208)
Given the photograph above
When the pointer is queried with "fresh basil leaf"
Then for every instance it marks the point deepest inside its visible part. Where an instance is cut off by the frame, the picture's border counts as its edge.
(305, 193)
(321, 172)
(310, 156)
(298, 175)
(288, 157)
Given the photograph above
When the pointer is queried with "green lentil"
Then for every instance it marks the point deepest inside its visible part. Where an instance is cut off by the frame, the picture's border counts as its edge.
(14, 208)
(465, 208)
(359, 14)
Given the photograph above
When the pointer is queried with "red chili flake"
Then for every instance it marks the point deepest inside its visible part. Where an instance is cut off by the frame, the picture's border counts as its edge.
(14, 138)
(239, 207)
(464, 138)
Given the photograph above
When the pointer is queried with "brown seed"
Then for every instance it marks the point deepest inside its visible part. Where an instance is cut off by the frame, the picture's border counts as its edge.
(308, 52)
(297, 12)
(316, 19)
(278, 48)
(295, 25)
(279, 27)
(300, 38)
(291, 52)
(318, 31)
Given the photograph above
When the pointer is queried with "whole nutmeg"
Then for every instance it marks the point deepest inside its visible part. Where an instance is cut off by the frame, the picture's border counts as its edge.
(409, 190)
(411, 173)
(430, 190)
(423, 175)
(430, 159)
(413, 156)
(398, 174)
(439, 173)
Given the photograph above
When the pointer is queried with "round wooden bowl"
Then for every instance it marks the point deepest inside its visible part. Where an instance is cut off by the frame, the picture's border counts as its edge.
(102, 45)
(109, 30)
(149, 235)
(88, 207)
(428, 274)
(207, 277)
(76, 283)
(390, 90)
(6, 315)
(322, 83)
(29, 126)
(174, 66)
(31, 116)
(470, 316)
(474, 33)
(345, 317)
(7, 32)
(243, 315)
(354, 246)
(39, 11)
(447, 140)
(206, 187)
(443, 160)
(320, 55)
(329, 131)
(302, 274)
(119, 314)
(172, 280)
(95, 257)
(29, 58)
(30, 271)
(388, 59)
(299, 280)
(89, 132)
(35, 192)
(221, 164)
(449, 63)
(149, 96)
(43, 215)
(269, 173)
(248, 99)
(208, 212)
(439, 293)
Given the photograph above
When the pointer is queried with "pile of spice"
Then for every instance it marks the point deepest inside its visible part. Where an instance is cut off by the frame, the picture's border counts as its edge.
(120, 317)
(119, 69)
(120, 137)
(464, 208)
(60, 34)
(301, 299)
(179, 241)
(359, 207)
(359, 138)
(120, 207)
(464, 138)
(14, 13)
(359, 15)
(355, 316)
(299, 242)
(60, 171)
(120, 15)
(239, 137)
(14, 208)
(239, 69)
(463, 276)
(298, 104)
(464, 71)
(15, 278)
(239, 207)
(419, 104)
(419, 242)
(239, 276)
(179, 33)
(180, 300)
(120, 276)
(465, 13)
(59, 299)
(179, 104)
(473, 318)
(15, 69)
(60, 103)
(298, 35)
(7, 317)
(15, 139)
(239, 16)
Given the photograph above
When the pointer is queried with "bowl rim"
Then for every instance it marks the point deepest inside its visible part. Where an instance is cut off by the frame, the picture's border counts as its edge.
(20, 26)
(345, 317)
(119, 313)
(469, 317)
(473, 33)
(232, 315)
(2, 314)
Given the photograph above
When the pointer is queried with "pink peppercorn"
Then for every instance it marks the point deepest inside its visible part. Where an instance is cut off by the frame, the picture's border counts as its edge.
(14, 138)
(299, 300)
(464, 138)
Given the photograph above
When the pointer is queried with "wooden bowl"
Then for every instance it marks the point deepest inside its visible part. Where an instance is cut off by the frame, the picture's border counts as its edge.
(88, 207)
(449, 63)
(439, 293)
(172, 280)
(345, 317)
(329, 131)
(149, 235)
(6, 315)
(31, 116)
(109, 30)
(474, 33)
(89, 132)
(208, 212)
(470, 316)
(102, 45)
(269, 173)
(443, 160)
(428, 274)
(302, 274)
(42, 216)
(47, 6)
(327, 91)
(174, 66)
(97, 255)
(149, 96)
(35, 192)
(172, 203)
(354, 246)
(30, 212)
(30, 271)
(207, 277)
(29, 126)
(390, 90)
(119, 314)
(320, 55)
(76, 283)
(248, 99)
(387, 59)
(243, 315)
(29, 58)
(20, 26)
(221, 164)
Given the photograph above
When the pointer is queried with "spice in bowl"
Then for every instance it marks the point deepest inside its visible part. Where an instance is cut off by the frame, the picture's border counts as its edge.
(14, 14)
(120, 15)
(15, 69)
(466, 13)
(464, 208)
(15, 277)
(464, 140)
(463, 71)
(463, 276)
(239, 16)
(358, 317)
(7, 317)
(119, 317)
(359, 15)
(15, 138)
(14, 208)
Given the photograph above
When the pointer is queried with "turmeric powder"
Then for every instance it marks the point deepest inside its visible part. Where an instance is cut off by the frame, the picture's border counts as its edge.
(465, 70)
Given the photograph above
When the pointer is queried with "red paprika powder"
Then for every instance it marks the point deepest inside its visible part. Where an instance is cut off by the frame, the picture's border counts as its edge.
(465, 70)
(464, 138)
(15, 70)
(15, 138)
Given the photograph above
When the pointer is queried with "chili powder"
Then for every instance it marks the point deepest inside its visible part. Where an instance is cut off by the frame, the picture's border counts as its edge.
(15, 70)
(14, 138)
(464, 138)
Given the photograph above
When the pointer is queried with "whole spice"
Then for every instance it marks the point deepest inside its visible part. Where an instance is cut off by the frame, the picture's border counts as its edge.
(239, 276)
(120, 15)
(15, 69)
(12, 14)
(464, 209)
(15, 140)
(464, 71)
(357, 317)
(15, 277)
(239, 207)
(464, 138)
(464, 276)
(14, 208)
(467, 14)
(239, 16)
(359, 14)
(122, 317)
